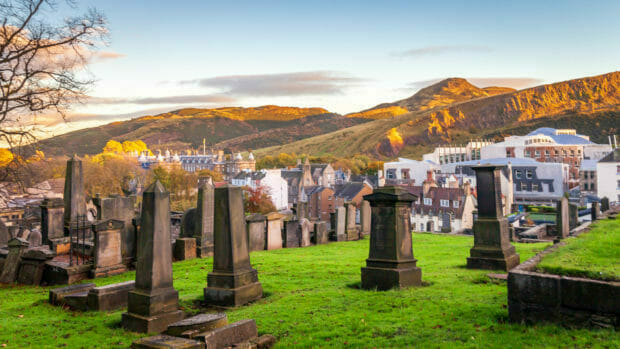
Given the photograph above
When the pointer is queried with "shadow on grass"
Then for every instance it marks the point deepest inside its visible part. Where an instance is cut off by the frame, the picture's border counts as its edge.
(358, 285)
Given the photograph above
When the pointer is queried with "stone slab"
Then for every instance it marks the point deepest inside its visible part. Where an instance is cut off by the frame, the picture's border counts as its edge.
(192, 326)
(150, 324)
(166, 341)
(184, 249)
(110, 297)
(57, 295)
(58, 273)
(229, 335)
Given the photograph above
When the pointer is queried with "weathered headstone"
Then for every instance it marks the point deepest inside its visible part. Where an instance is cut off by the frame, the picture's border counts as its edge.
(107, 254)
(292, 236)
(594, 211)
(302, 210)
(154, 304)
(604, 204)
(33, 264)
(233, 281)
(573, 215)
(365, 217)
(192, 326)
(4, 234)
(74, 199)
(185, 249)
(204, 219)
(306, 227)
(256, 225)
(52, 213)
(390, 260)
(35, 238)
(351, 229)
(274, 231)
(339, 223)
(562, 223)
(17, 247)
(321, 234)
(120, 208)
(492, 248)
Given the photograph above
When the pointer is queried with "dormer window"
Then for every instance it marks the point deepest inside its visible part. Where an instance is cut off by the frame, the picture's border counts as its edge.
(428, 201)
(455, 204)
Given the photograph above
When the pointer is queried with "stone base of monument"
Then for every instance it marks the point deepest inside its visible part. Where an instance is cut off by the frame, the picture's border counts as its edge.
(493, 258)
(321, 235)
(184, 248)
(341, 237)
(60, 245)
(204, 251)
(195, 325)
(108, 271)
(385, 275)
(110, 297)
(60, 273)
(353, 234)
(232, 289)
(151, 312)
(32, 265)
(57, 295)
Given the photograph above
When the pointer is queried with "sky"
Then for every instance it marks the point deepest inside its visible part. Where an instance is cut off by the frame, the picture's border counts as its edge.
(344, 56)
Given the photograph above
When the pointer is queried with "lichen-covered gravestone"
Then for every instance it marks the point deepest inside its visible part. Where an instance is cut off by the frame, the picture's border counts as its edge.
(492, 248)
(321, 234)
(233, 281)
(17, 247)
(306, 227)
(390, 262)
(154, 304)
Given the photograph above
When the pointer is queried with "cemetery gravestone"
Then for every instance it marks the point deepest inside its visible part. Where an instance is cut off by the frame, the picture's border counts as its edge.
(33, 264)
(108, 258)
(321, 235)
(573, 215)
(274, 231)
(306, 228)
(154, 303)
(204, 219)
(562, 223)
(256, 231)
(74, 199)
(292, 238)
(604, 204)
(492, 248)
(185, 249)
(365, 215)
(594, 211)
(52, 213)
(233, 281)
(17, 247)
(339, 224)
(390, 260)
(352, 233)
(120, 208)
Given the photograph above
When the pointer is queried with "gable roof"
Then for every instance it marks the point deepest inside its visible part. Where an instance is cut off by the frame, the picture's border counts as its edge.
(437, 194)
(348, 191)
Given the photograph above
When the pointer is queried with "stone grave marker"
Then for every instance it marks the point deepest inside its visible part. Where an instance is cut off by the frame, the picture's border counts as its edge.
(185, 248)
(492, 248)
(292, 237)
(74, 198)
(604, 204)
(108, 259)
(52, 213)
(233, 281)
(306, 227)
(154, 304)
(256, 225)
(204, 218)
(274, 231)
(562, 223)
(573, 215)
(321, 234)
(17, 247)
(390, 262)
(351, 229)
(594, 211)
(33, 264)
(365, 217)
(120, 208)
(339, 222)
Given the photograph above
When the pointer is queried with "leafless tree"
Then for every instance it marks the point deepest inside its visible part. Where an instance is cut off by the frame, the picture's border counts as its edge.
(43, 60)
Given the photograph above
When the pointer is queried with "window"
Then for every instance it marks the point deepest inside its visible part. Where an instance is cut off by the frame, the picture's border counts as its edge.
(523, 186)
(444, 203)
(509, 154)
(518, 174)
(391, 173)
(572, 153)
(428, 201)
(547, 154)
(455, 204)
(528, 174)
(537, 153)
(527, 154)
(404, 173)
(534, 187)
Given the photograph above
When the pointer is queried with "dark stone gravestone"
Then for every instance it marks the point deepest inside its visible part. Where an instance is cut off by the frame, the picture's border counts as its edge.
(233, 281)
(301, 210)
(195, 325)
(204, 219)
(594, 211)
(188, 223)
(256, 225)
(321, 234)
(306, 227)
(120, 208)
(185, 248)
(17, 247)
(274, 231)
(154, 304)
(74, 199)
(52, 213)
(365, 217)
(33, 264)
(339, 223)
(108, 259)
(292, 237)
(4, 234)
(390, 260)
(562, 224)
(573, 215)
(351, 229)
(604, 204)
(492, 248)
(446, 225)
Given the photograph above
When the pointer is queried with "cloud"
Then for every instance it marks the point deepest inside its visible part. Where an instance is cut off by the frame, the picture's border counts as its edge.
(183, 99)
(54, 119)
(441, 49)
(105, 56)
(284, 84)
(514, 82)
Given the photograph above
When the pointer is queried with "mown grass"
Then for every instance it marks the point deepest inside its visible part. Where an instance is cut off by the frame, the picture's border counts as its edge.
(595, 254)
(312, 299)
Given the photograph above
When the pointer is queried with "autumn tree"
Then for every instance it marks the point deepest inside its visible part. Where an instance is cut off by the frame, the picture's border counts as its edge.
(257, 200)
(215, 176)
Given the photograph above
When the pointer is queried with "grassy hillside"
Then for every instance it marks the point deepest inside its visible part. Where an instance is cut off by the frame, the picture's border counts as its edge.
(590, 105)
(243, 128)
(312, 299)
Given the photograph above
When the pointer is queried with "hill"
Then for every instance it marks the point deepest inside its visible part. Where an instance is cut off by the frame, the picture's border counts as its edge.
(234, 128)
(581, 102)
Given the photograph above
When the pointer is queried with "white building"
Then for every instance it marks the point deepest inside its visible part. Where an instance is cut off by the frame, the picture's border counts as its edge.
(608, 176)
(270, 180)
(452, 153)
(406, 171)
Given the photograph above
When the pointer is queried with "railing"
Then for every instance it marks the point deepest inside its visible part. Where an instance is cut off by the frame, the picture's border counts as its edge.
(77, 236)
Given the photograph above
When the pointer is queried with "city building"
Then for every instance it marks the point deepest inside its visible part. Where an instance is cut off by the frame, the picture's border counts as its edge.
(321, 202)
(608, 176)
(270, 180)
(406, 172)
(587, 177)
(549, 145)
(449, 154)
(352, 191)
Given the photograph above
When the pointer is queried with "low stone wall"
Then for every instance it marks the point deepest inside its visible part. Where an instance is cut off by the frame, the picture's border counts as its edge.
(535, 296)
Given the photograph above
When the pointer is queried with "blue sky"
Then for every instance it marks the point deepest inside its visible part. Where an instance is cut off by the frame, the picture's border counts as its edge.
(341, 55)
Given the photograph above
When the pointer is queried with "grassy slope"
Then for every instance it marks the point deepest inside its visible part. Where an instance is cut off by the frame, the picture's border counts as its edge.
(312, 299)
(595, 254)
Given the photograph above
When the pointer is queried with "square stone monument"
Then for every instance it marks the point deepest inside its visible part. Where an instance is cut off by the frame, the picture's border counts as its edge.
(107, 252)
(233, 281)
(604, 204)
(154, 303)
(52, 224)
(120, 208)
(390, 262)
(492, 248)
(292, 237)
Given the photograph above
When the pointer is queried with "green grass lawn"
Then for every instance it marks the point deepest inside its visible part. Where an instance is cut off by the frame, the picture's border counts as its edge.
(312, 299)
(595, 254)
(542, 217)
